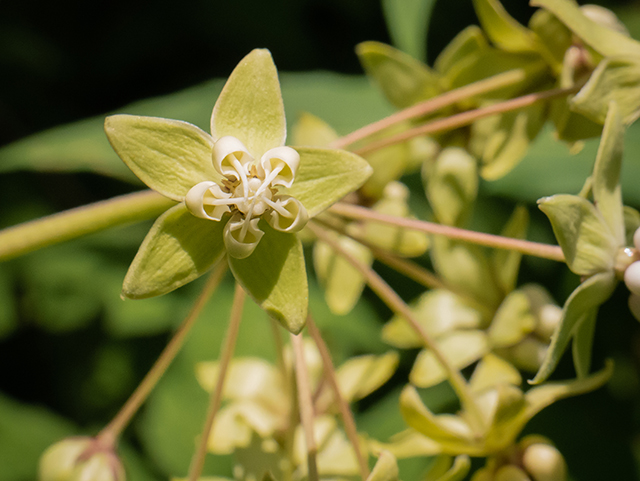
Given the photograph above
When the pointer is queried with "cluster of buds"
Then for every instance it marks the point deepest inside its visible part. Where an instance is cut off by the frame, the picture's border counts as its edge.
(80, 458)
(632, 279)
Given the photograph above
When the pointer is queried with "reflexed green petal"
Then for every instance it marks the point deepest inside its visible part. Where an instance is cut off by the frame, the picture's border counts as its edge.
(404, 80)
(615, 79)
(468, 41)
(506, 263)
(312, 131)
(408, 444)
(250, 105)
(513, 320)
(461, 348)
(275, 277)
(587, 297)
(603, 40)
(325, 176)
(452, 185)
(583, 234)
(343, 284)
(360, 376)
(583, 343)
(492, 371)
(385, 469)
(454, 472)
(502, 141)
(168, 155)
(607, 194)
(408, 22)
(178, 249)
(503, 30)
(553, 35)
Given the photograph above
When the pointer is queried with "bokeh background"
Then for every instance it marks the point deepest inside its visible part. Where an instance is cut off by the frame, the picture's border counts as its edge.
(71, 351)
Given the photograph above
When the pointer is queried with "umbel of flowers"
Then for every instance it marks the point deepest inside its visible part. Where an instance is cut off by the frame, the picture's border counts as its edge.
(239, 191)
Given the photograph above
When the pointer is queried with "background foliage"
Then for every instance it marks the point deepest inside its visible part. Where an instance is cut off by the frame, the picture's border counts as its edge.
(71, 351)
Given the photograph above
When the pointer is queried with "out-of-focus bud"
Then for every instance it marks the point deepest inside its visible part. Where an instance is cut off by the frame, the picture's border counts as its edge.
(80, 459)
(632, 278)
(544, 463)
(511, 473)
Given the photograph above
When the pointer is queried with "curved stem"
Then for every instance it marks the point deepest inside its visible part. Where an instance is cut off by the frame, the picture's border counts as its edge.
(345, 412)
(447, 99)
(546, 251)
(63, 226)
(399, 307)
(466, 118)
(215, 400)
(306, 405)
(111, 432)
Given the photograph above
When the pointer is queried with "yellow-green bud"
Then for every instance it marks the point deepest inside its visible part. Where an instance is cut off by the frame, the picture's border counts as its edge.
(511, 473)
(80, 459)
(544, 463)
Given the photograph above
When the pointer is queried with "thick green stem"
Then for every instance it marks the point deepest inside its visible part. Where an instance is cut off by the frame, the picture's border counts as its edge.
(398, 306)
(306, 405)
(505, 79)
(30, 236)
(111, 432)
(215, 400)
(466, 118)
(343, 406)
(536, 249)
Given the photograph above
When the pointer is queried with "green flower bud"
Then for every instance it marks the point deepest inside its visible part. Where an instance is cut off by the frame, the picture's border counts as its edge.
(544, 463)
(80, 459)
(511, 473)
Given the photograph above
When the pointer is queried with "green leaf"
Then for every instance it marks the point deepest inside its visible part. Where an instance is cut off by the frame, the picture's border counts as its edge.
(582, 232)
(178, 249)
(614, 79)
(168, 155)
(503, 30)
(408, 22)
(342, 283)
(607, 194)
(466, 43)
(603, 40)
(452, 185)
(587, 298)
(250, 106)
(506, 263)
(404, 80)
(385, 469)
(275, 277)
(325, 176)
(460, 348)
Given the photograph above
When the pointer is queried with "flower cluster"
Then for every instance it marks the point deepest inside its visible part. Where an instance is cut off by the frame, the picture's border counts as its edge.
(249, 190)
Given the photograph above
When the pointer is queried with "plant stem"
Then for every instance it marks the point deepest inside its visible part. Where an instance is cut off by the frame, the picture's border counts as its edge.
(112, 431)
(306, 405)
(466, 118)
(63, 226)
(345, 412)
(546, 251)
(215, 400)
(447, 99)
(399, 307)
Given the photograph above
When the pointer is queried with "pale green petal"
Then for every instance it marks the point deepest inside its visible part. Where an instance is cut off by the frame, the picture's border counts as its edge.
(178, 249)
(582, 232)
(360, 376)
(587, 297)
(404, 80)
(325, 176)
(514, 320)
(553, 35)
(447, 471)
(312, 131)
(460, 348)
(408, 22)
(385, 469)
(468, 41)
(275, 277)
(452, 185)
(503, 30)
(607, 194)
(388, 163)
(492, 371)
(169, 156)
(250, 105)
(603, 40)
(506, 263)
(583, 343)
(615, 79)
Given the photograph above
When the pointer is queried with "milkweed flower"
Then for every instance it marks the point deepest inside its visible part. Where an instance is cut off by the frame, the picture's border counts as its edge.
(239, 191)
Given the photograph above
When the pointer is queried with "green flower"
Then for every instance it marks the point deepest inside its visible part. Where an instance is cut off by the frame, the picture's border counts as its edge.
(239, 190)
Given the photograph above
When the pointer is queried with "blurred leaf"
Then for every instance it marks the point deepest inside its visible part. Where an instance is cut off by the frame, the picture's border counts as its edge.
(408, 23)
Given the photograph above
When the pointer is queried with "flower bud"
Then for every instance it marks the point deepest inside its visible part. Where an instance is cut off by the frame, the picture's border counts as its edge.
(544, 463)
(632, 278)
(80, 459)
(511, 473)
